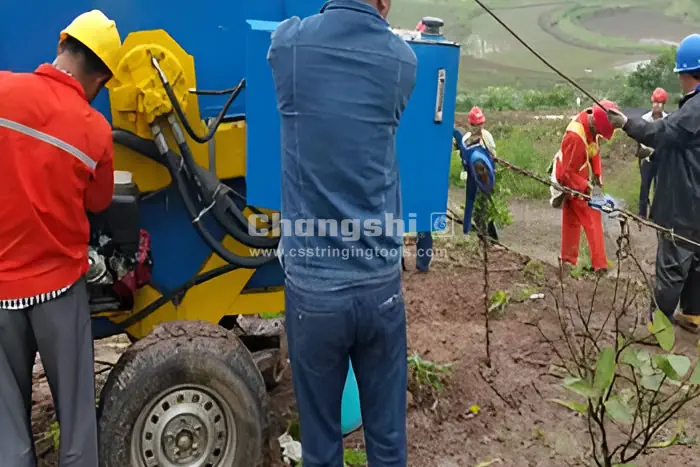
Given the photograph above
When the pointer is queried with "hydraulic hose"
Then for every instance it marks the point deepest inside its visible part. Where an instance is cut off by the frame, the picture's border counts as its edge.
(155, 305)
(247, 262)
(203, 92)
(148, 148)
(181, 115)
(212, 197)
(171, 161)
(258, 241)
(142, 146)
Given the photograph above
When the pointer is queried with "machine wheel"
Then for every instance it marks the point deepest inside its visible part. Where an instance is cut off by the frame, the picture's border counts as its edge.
(187, 395)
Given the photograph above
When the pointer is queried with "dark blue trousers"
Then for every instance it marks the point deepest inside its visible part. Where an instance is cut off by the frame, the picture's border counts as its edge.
(325, 331)
(424, 250)
(647, 170)
(677, 278)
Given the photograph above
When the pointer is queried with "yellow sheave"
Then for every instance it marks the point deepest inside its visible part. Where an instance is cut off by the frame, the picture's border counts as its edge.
(99, 34)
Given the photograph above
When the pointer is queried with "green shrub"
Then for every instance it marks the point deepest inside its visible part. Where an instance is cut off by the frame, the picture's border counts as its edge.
(632, 90)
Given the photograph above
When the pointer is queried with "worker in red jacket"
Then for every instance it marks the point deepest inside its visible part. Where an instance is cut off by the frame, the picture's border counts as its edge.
(56, 163)
(579, 168)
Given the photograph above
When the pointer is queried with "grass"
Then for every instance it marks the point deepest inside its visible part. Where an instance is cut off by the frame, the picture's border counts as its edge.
(520, 148)
(623, 183)
(570, 59)
(530, 146)
(270, 315)
(687, 10)
(498, 302)
(492, 57)
(534, 271)
(567, 22)
(355, 457)
(428, 374)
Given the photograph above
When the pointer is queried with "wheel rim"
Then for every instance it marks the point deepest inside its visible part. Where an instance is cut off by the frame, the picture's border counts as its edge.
(185, 426)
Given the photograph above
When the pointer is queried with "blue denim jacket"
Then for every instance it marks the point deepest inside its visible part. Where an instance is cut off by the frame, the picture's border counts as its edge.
(342, 79)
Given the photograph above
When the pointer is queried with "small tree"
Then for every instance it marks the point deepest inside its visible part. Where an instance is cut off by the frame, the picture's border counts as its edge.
(626, 393)
(657, 73)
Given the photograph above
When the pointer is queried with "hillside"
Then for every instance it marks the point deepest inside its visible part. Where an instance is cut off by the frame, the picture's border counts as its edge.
(591, 41)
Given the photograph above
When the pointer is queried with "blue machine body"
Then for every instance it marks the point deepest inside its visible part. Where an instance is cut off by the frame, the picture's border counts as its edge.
(424, 146)
(424, 139)
(230, 42)
(215, 33)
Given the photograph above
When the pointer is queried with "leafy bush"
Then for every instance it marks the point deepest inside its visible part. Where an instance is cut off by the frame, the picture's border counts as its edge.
(657, 73)
(507, 98)
(632, 90)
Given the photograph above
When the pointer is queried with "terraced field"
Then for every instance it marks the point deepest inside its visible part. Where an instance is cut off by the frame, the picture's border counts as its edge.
(590, 41)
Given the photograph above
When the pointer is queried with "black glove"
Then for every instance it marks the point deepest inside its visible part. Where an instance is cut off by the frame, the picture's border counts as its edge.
(644, 152)
(617, 118)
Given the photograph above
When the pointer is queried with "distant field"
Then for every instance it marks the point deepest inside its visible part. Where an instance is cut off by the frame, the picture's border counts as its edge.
(591, 41)
(638, 24)
(492, 42)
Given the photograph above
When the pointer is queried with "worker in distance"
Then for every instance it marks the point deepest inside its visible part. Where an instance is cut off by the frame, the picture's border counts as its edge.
(676, 144)
(645, 154)
(577, 166)
(56, 163)
(481, 136)
(343, 79)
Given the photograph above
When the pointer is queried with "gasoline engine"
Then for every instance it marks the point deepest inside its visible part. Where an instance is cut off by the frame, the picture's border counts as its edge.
(119, 254)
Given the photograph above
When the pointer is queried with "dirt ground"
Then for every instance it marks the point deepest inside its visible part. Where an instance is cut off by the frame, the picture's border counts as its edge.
(516, 425)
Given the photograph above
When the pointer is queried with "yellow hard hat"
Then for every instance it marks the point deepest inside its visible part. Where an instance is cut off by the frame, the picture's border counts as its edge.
(99, 34)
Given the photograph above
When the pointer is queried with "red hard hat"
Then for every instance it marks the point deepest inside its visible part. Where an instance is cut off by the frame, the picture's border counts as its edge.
(659, 95)
(600, 119)
(476, 116)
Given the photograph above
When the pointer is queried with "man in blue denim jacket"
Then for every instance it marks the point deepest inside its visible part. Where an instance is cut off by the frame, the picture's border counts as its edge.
(343, 79)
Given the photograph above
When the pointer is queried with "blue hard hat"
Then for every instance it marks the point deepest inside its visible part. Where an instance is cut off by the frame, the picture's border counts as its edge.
(688, 54)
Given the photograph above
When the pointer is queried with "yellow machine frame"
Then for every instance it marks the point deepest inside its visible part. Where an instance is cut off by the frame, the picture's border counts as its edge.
(136, 101)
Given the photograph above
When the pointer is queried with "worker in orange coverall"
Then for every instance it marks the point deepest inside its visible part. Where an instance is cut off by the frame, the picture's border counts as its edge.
(580, 155)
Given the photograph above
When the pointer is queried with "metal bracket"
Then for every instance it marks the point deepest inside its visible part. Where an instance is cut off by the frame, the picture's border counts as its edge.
(440, 99)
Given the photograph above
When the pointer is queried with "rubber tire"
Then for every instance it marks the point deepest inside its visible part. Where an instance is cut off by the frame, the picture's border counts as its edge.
(182, 352)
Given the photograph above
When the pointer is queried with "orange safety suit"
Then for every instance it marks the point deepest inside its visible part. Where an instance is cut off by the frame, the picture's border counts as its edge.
(580, 154)
(55, 163)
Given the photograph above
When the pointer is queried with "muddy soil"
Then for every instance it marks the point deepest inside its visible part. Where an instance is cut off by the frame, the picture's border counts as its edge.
(516, 422)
